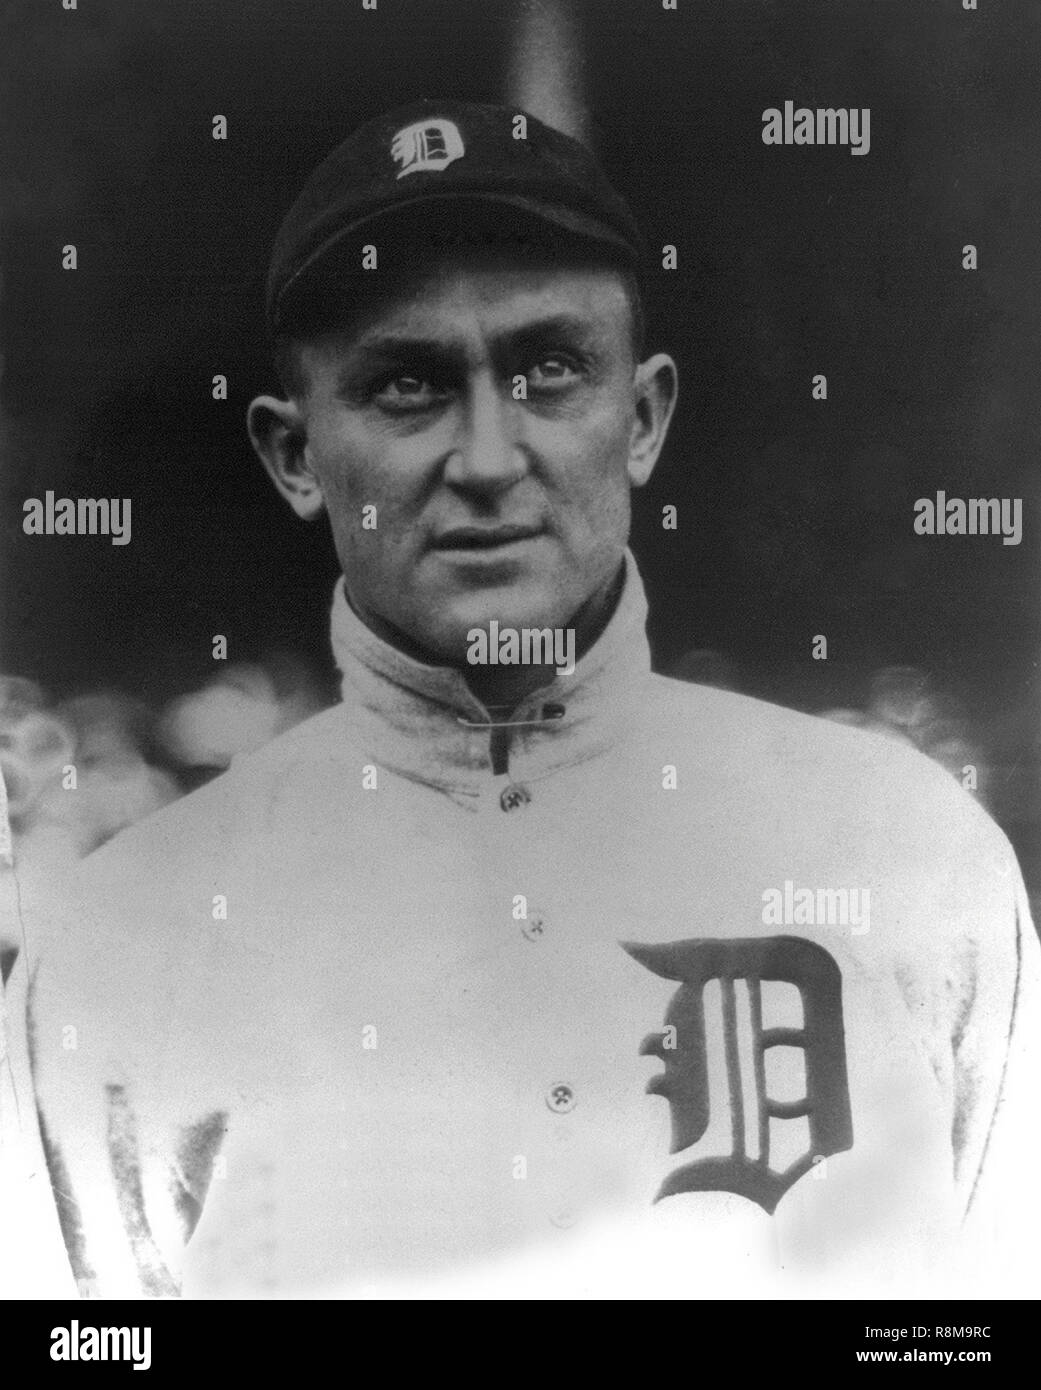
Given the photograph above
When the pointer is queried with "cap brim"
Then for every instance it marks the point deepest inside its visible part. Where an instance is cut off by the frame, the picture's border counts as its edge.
(575, 226)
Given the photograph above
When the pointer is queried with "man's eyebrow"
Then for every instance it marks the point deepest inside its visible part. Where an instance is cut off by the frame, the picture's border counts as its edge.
(397, 345)
(383, 348)
(553, 326)
(376, 350)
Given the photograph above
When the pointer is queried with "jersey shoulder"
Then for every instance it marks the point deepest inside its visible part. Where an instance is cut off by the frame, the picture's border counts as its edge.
(231, 808)
(829, 774)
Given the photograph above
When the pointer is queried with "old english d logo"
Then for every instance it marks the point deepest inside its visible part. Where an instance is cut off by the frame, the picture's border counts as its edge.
(685, 1081)
(427, 146)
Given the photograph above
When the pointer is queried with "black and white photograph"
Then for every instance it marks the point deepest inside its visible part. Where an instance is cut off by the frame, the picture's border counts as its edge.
(520, 614)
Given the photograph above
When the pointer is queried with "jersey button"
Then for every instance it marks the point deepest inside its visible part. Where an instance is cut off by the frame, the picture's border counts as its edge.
(561, 1099)
(513, 796)
(534, 927)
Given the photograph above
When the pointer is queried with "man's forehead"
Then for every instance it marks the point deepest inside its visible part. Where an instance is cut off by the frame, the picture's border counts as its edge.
(455, 294)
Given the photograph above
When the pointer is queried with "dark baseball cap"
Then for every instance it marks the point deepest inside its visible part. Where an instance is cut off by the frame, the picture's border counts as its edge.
(413, 163)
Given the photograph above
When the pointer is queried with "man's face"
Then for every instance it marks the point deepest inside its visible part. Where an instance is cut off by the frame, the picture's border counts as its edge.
(487, 412)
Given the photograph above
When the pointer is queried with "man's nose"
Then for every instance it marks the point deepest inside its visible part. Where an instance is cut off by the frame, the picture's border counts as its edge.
(488, 453)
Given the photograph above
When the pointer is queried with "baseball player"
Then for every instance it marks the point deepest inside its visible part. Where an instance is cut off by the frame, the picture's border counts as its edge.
(501, 975)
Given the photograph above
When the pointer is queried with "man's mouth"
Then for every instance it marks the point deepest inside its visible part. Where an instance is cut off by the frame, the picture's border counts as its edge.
(484, 537)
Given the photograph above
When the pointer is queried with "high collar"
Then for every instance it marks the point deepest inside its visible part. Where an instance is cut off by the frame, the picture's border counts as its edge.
(425, 723)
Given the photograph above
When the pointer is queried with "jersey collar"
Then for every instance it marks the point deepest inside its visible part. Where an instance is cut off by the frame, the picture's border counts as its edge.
(424, 722)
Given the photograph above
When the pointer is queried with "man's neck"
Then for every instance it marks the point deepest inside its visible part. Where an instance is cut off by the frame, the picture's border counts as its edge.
(501, 688)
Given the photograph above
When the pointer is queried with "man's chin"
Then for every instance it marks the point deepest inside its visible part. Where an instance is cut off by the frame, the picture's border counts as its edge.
(450, 637)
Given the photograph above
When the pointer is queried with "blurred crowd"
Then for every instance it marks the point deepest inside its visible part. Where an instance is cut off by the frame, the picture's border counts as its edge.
(79, 770)
(900, 702)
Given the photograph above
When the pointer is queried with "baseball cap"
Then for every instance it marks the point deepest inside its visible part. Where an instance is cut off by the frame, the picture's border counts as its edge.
(413, 162)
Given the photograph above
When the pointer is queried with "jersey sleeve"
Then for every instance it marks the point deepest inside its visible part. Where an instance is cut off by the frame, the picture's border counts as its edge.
(1003, 1221)
(122, 1143)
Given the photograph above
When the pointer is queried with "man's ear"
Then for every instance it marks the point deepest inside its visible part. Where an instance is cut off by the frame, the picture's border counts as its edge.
(279, 436)
(655, 385)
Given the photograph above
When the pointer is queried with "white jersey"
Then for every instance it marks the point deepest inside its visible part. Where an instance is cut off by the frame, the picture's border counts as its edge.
(695, 995)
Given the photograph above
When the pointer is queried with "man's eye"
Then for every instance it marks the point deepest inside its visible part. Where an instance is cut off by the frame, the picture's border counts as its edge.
(552, 372)
(405, 392)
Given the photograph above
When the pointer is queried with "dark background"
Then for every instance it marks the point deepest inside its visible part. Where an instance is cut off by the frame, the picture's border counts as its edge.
(795, 516)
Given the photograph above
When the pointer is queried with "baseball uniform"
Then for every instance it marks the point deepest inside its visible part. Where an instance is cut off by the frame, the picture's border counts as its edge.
(689, 995)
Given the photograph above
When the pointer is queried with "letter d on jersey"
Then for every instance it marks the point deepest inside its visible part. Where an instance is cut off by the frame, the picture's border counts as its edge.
(685, 1080)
